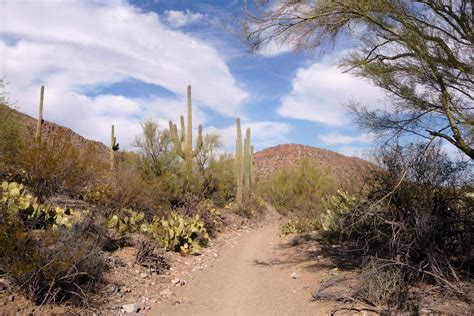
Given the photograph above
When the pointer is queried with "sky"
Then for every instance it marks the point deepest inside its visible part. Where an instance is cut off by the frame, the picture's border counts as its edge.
(122, 62)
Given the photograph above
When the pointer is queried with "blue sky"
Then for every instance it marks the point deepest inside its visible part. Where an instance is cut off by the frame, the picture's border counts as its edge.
(120, 62)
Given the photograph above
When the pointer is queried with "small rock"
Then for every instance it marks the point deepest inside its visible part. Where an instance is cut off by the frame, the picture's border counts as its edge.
(11, 298)
(294, 275)
(147, 308)
(335, 269)
(215, 255)
(130, 308)
(320, 257)
(178, 282)
(137, 271)
(425, 311)
(143, 275)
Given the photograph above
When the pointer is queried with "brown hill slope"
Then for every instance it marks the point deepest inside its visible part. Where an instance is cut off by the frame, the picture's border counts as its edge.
(349, 170)
(50, 128)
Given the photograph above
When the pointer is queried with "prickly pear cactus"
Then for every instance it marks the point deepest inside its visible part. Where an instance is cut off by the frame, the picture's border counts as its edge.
(180, 233)
(127, 221)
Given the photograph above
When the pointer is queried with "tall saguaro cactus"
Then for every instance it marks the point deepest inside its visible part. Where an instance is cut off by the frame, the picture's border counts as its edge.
(40, 116)
(239, 170)
(247, 164)
(114, 146)
(183, 145)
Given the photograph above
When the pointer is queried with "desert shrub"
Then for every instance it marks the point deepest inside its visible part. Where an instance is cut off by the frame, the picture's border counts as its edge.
(57, 166)
(180, 233)
(250, 208)
(335, 207)
(299, 192)
(219, 183)
(50, 266)
(418, 216)
(291, 227)
(148, 257)
(12, 140)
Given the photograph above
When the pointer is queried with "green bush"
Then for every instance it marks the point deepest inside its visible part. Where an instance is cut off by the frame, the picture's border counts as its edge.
(299, 192)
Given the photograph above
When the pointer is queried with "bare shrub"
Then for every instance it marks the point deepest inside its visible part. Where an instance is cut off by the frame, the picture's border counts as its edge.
(146, 256)
(418, 218)
(51, 266)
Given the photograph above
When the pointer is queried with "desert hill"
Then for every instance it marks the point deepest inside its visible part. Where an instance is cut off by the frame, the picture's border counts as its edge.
(49, 128)
(349, 170)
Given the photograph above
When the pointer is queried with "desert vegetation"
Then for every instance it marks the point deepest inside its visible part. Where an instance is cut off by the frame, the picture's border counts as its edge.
(165, 191)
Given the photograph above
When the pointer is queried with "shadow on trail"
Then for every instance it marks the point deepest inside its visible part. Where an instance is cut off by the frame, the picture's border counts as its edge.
(314, 254)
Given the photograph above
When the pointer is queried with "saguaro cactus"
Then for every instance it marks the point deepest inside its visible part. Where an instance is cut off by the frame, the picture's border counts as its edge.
(183, 145)
(252, 167)
(40, 116)
(239, 170)
(247, 165)
(114, 146)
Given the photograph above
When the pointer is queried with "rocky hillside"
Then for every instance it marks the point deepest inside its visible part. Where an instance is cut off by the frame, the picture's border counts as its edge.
(349, 170)
(50, 128)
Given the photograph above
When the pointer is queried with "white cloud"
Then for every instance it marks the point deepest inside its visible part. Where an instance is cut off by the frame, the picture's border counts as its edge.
(335, 138)
(263, 134)
(353, 151)
(320, 91)
(182, 18)
(75, 46)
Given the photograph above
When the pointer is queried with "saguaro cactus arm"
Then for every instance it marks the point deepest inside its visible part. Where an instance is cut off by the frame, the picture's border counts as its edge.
(177, 144)
(199, 143)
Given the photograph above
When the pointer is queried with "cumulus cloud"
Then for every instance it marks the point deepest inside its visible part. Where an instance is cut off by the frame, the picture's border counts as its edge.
(76, 46)
(182, 18)
(320, 91)
(263, 134)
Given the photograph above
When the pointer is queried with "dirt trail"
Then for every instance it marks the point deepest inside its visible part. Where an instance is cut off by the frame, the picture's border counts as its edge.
(252, 275)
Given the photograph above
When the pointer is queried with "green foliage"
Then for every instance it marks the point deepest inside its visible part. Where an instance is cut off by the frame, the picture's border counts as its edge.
(155, 153)
(335, 208)
(299, 192)
(291, 227)
(127, 221)
(180, 233)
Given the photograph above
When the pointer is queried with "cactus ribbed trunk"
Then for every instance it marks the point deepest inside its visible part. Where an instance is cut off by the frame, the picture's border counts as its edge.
(247, 165)
(40, 117)
(183, 145)
(112, 149)
(252, 167)
(239, 170)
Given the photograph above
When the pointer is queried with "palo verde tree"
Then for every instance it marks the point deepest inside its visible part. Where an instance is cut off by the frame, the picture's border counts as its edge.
(419, 52)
